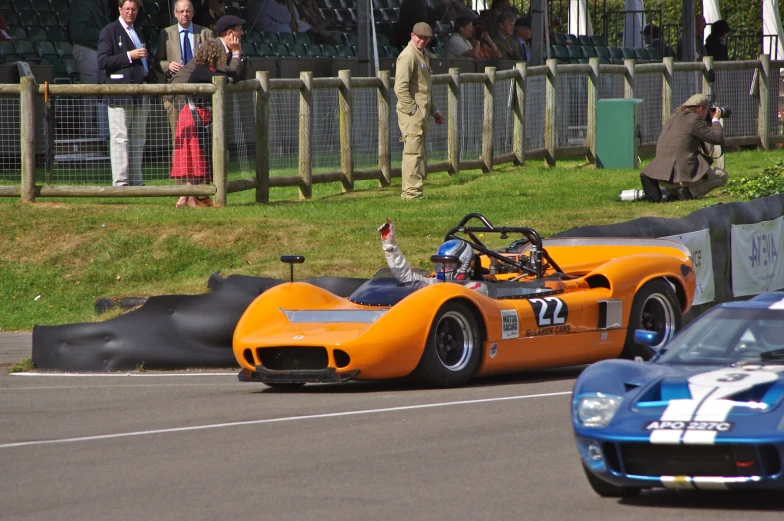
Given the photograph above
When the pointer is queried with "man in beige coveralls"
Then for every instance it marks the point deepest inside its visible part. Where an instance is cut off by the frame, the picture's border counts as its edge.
(414, 107)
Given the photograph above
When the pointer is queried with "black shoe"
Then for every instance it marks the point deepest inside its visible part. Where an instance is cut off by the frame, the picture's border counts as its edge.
(684, 194)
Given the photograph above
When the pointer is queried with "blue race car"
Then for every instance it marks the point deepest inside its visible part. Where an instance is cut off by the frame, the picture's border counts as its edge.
(706, 412)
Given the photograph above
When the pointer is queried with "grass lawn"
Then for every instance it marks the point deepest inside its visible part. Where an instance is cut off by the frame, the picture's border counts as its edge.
(58, 256)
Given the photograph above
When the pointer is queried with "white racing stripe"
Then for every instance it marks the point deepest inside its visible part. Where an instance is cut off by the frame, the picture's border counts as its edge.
(276, 420)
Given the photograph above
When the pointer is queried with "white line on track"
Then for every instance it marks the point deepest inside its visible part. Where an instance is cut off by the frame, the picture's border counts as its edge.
(275, 420)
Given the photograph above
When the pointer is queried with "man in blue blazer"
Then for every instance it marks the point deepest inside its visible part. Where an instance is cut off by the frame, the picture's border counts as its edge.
(123, 59)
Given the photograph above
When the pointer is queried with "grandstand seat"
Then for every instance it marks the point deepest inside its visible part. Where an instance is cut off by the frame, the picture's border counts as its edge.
(585, 40)
(254, 36)
(329, 51)
(386, 28)
(597, 40)
(249, 49)
(389, 14)
(381, 39)
(628, 53)
(17, 32)
(393, 52)
(61, 6)
(602, 52)
(382, 52)
(575, 52)
(21, 5)
(560, 53)
(444, 27)
(329, 14)
(616, 54)
(287, 38)
(298, 50)
(394, 3)
(302, 37)
(64, 49)
(324, 4)
(49, 18)
(36, 33)
(24, 48)
(28, 18)
(264, 49)
(350, 4)
(281, 50)
(380, 4)
(559, 39)
(344, 51)
(589, 51)
(7, 51)
(41, 6)
(572, 40)
(352, 11)
(641, 55)
(270, 37)
(440, 40)
(350, 39)
(46, 51)
(654, 54)
(440, 52)
(56, 34)
(312, 50)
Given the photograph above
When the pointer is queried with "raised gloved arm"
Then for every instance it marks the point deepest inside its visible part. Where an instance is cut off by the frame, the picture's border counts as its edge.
(387, 231)
(396, 261)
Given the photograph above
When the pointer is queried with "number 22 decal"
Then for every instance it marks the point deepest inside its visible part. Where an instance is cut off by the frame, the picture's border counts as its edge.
(550, 311)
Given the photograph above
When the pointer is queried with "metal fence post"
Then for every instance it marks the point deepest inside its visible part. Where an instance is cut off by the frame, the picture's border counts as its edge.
(384, 122)
(346, 131)
(551, 112)
(261, 98)
(518, 131)
(453, 122)
(593, 98)
(219, 139)
(306, 135)
(489, 119)
(763, 119)
(27, 90)
(667, 79)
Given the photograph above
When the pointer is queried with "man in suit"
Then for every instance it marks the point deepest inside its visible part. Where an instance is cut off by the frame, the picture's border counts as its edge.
(680, 164)
(122, 60)
(415, 106)
(177, 45)
(505, 41)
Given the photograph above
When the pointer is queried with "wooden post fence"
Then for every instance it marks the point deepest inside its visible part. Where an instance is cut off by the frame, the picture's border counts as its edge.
(261, 98)
(27, 137)
(219, 140)
(305, 135)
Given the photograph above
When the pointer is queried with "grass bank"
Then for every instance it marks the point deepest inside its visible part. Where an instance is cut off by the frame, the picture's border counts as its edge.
(58, 256)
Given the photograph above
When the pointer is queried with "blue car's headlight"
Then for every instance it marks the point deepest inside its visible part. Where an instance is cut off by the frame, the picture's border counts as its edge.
(595, 409)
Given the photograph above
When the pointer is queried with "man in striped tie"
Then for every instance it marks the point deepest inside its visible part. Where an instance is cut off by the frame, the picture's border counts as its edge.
(123, 59)
(177, 45)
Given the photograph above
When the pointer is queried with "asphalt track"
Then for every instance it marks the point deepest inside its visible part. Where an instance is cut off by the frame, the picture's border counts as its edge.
(200, 446)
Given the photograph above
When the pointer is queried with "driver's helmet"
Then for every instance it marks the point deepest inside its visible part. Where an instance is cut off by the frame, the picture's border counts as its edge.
(771, 332)
(451, 271)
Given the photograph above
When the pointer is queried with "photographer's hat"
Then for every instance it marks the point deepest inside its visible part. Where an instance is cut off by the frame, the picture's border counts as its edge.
(696, 100)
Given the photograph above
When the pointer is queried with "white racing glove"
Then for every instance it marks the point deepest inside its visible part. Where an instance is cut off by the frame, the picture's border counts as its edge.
(387, 231)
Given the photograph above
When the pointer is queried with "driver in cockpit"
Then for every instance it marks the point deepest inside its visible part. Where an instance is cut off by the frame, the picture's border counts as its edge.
(401, 269)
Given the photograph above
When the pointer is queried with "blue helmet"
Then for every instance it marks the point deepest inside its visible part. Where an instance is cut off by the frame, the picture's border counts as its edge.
(459, 271)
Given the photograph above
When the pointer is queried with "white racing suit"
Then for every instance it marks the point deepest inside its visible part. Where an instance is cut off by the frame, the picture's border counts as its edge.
(403, 272)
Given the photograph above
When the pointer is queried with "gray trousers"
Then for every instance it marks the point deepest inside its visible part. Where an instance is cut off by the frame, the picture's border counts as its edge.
(127, 135)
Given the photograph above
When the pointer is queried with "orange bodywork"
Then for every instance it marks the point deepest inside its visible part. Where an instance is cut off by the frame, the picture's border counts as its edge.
(567, 327)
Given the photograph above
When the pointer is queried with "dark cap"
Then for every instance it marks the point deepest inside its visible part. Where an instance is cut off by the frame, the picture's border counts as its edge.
(720, 27)
(653, 30)
(227, 22)
(523, 22)
(423, 30)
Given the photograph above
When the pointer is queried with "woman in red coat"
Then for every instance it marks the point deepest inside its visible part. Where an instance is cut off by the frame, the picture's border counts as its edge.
(192, 158)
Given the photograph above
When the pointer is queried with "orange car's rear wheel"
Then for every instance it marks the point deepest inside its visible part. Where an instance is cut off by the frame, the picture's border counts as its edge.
(655, 308)
(453, 349)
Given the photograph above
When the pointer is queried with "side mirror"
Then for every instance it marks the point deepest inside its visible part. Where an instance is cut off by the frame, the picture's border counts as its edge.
(291, 260)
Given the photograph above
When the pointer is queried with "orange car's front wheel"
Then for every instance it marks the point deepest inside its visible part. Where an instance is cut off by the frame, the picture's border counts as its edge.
(454, 347)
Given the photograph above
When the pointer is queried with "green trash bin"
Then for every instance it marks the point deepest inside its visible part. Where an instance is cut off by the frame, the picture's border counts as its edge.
(616, 133)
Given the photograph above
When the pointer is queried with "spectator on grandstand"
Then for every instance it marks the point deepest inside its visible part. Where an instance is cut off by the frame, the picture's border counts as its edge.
(652, 37)
(522, 35)
(716, 43)
(490, 16)
(176, 47)
(505, 41)
(412, 12)
(192, 157)
(310, 13)
(271, 16)
(4, 29)
(699, 40)
(468, 40)
(208, 14)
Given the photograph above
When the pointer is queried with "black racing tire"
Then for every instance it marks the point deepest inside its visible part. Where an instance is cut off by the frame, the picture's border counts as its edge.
(453, 350)
(284, 385)
(606, 489)
(655, 308)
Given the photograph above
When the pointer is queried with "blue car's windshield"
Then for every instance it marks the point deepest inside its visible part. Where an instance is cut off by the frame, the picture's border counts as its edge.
(729, 335)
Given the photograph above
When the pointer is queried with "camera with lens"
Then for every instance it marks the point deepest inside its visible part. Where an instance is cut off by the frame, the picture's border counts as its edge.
(478, 33)
(724, 112)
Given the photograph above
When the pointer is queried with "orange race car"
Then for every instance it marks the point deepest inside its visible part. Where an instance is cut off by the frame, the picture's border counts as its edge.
(535, 304)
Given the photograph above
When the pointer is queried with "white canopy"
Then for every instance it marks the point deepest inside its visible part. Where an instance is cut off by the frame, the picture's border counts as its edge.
(633, 24)
(579, 17)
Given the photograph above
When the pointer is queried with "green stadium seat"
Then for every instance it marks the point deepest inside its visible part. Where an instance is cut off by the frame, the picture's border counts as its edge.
(344, 51)
(560, 53)
(616, 54)
(17, 32)
(589, 51)
(28, 19)
(654, 54)
(270, 37)
(559, 39)
(382, 39)
(297, 49)
(57, 34)
(597, 40)
(394, 4)
(48, 18)
(301, 37)
(264, 50)
(25, 49)
(60, 5)
(254, 36)
(393, 52)
(249, 49)
(585, 40)
(575, 52)
(64, 49)
(11, 18)
(312, 50)
(7, 51)
(602, 52)
(21, 5)
(641, 55)
(350, 39)
(380, 4)
(41, 6)
(36, 33)
(440, 40)
(281, 50)
(382, 52)
(287, 38)
(440, 52)
(391, 13)
(324, 4)
(572, 40)
(46, 51)
(628, 53)
(329, 51)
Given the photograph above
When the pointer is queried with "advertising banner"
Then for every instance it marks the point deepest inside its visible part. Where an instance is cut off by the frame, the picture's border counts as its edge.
(756, 266)
(700, 247)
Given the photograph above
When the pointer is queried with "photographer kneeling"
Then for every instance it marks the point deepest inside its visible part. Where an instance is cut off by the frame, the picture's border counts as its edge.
(682, 164)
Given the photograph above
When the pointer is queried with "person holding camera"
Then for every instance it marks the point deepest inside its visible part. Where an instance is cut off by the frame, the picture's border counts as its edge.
(468, 41)
(682, 164)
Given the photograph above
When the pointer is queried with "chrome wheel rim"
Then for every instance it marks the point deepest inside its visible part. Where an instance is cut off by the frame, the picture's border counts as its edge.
(454, 341)
(658, 315)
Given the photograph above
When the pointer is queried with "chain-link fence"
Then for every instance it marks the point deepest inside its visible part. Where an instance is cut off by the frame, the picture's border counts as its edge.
(72, 143)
